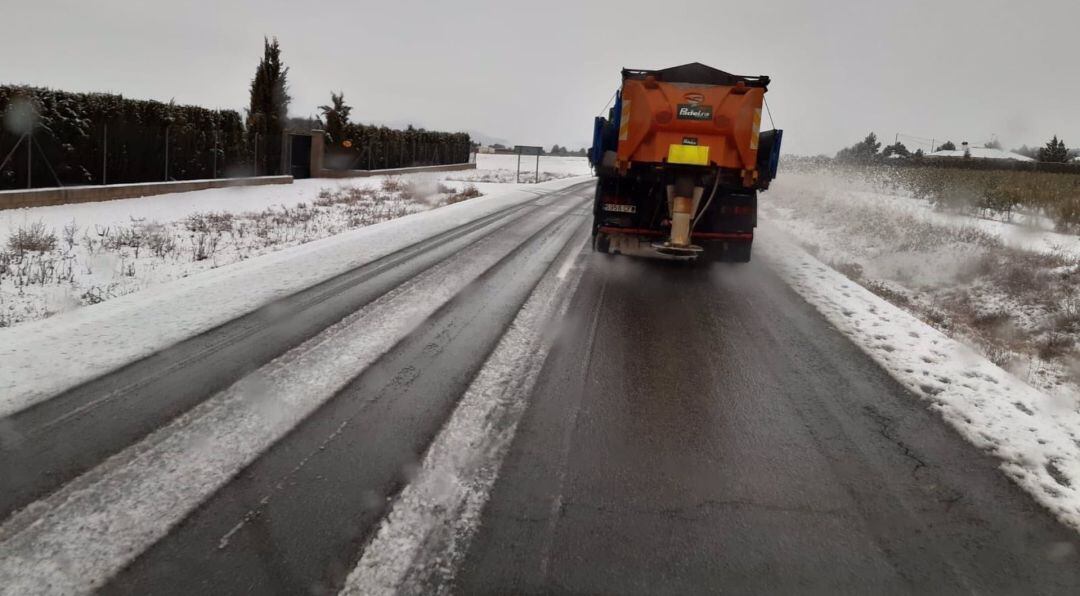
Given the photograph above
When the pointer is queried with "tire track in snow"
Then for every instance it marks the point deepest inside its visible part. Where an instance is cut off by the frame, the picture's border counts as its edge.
(424, 538)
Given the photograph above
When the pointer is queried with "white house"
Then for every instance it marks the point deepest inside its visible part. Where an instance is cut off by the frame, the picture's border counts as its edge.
(979, 153)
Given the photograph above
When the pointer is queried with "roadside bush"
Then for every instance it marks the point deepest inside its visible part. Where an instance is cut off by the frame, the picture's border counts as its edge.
(33, 238)
(1054, 345)
(391, 184)
(469, 192)
(209, 222)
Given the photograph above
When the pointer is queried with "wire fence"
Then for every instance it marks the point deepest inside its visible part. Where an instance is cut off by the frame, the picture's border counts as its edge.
(36, 159)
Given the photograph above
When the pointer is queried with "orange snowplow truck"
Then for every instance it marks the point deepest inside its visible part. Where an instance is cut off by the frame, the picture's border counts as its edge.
(679, 162)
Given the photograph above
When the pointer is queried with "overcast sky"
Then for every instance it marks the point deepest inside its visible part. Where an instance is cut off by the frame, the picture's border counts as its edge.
(537, 72)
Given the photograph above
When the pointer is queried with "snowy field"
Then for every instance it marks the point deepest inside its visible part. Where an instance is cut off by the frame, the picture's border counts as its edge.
(1009, 290)
(59, 258)
(496, 171)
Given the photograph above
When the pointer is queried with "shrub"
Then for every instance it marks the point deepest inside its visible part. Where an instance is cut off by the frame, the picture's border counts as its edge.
(469, 192)
(209, 222)
(33, 238)
(1054, 345)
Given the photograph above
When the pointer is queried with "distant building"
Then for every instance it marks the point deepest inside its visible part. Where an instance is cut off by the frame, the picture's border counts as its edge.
(485, 149)
(978, 153)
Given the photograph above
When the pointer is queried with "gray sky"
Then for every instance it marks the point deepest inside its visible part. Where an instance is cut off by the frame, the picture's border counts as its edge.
(537, 72)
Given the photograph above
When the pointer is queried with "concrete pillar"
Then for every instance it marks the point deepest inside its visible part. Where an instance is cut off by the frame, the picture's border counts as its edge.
(286, 153)
(317, 150)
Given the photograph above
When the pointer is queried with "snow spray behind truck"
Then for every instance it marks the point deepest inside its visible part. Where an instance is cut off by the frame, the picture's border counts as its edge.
(679, 162)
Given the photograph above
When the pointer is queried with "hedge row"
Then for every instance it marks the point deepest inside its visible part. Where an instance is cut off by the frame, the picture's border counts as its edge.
(75, 135)
(72, 131)
(378, 147)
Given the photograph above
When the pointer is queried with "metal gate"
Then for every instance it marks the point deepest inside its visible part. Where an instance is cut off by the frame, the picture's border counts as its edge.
(300, 155)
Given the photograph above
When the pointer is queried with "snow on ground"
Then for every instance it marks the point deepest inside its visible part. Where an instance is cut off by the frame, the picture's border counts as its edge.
(93, 340)
(1007, 290)
(1036, 436)
(491, 162)
(75, 539)
(104, 250)
(177, 206)
(494, 170)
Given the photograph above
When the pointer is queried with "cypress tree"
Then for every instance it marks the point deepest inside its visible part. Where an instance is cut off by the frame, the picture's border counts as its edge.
(269, 107)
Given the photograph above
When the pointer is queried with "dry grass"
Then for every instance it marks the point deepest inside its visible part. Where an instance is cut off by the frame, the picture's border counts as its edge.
(849, 269)
(979, 191)
(885, 291)
(469, 192)
(92, 264)
(392, 184)
(96, 263)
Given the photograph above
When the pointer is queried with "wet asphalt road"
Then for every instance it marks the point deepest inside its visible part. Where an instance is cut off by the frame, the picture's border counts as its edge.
(65, 436)
(707, 431)
(295, 520)
(694, 430)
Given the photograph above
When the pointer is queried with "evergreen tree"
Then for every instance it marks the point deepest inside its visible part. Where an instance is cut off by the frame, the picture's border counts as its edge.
(1054, 151)
(336, 116)
(946, 146)
(992, 144)
(897, 149)
(269, 107)
(864, 150)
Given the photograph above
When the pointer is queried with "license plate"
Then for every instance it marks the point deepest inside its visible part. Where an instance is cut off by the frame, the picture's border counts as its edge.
(618, 208)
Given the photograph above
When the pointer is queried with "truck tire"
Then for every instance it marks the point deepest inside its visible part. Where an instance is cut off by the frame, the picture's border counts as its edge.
(737, 252)
(596, 212)
(737, 223)
(602, 243)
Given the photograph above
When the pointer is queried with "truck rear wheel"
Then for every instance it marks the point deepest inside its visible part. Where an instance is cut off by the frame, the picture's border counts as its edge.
(602, 243)
(728, 252)
(737, 252)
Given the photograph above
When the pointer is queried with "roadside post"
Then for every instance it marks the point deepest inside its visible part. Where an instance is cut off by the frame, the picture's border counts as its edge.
(528, 150)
